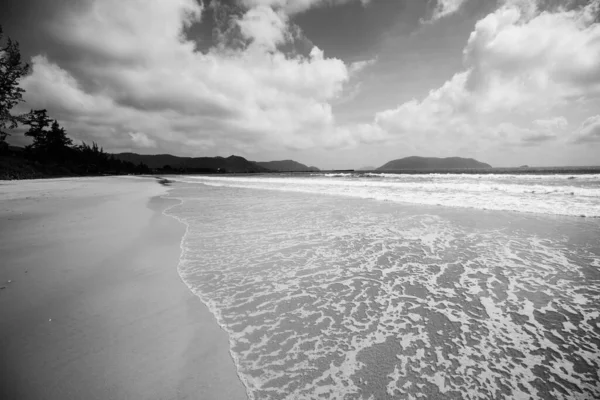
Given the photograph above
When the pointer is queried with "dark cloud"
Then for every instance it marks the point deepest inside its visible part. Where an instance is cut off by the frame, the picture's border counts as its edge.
(28, 22)
(215, 25)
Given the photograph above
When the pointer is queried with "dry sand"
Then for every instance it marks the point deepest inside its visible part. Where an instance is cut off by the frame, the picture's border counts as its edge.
(95, 308)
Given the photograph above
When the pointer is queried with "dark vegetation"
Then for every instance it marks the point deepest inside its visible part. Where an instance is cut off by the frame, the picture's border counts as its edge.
(52, 152)
(166, 163)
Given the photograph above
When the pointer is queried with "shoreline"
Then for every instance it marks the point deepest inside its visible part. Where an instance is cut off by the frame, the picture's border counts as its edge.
(214, 313)
(96, 305)
(274, 263)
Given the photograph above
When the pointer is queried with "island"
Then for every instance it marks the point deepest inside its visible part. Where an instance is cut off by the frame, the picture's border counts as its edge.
(432, 163)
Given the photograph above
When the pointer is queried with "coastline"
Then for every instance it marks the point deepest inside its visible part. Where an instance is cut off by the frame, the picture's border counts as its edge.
(271, 263)
(95, 307)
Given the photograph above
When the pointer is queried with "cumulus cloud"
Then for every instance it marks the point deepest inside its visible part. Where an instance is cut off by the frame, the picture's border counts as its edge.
(507, 134)
(519, 60)
(519, 56)
(589, 132)
(139, 82)
(136, 72)
(264, 26)
(141, 139)
(552, 123)
(50, 86)
(443, 8)
(358, 66)
(297, 6)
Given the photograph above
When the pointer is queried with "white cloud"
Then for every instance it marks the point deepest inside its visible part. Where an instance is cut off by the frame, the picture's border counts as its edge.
(506, 134)
(265, 27)
(432, 113)
(519, 61)
(297, 6)
(552, 123)
(519, 57)
(589, 132)
(141, 139)
(49, 86)
(141, 75)
(444, 8)
(359, 66)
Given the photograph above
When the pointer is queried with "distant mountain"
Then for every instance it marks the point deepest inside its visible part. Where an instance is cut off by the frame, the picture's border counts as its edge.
(416, 163)
(192, 164)
(367, 168)
(285, 166)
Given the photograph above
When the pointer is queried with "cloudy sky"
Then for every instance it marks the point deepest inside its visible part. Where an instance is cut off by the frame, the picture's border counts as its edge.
(330, 83)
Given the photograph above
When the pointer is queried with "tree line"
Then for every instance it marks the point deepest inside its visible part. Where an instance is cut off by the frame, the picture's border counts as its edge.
(52, 152)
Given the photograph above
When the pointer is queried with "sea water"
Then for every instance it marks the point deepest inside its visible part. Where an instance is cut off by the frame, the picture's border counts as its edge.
(400, 287)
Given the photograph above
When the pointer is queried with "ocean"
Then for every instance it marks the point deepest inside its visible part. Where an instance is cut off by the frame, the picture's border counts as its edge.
(383, 286)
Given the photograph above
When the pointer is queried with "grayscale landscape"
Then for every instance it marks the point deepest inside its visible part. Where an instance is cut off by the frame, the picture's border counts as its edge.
(300, 199)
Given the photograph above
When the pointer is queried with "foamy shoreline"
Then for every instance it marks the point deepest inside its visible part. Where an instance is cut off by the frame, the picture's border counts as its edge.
(542, 195)
(95, 307)
(180, 270)
(337, 296)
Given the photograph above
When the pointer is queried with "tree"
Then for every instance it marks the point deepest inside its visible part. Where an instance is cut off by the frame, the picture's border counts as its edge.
(38, 121)
(51, 144)
(57, 139)
(93, 152)
(12, 69)
(94, 155)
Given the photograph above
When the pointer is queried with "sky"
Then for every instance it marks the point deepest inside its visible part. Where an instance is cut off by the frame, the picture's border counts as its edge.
(337, 84)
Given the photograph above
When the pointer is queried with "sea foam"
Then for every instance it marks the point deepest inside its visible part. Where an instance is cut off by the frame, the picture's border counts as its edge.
(544, 194)
(330, 297)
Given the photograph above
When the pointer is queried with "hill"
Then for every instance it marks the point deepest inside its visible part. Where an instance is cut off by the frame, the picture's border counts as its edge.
(193, 164)
(286, 166)
(430, 163)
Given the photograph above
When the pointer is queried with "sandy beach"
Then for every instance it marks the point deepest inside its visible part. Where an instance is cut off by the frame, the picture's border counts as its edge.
(92, 306)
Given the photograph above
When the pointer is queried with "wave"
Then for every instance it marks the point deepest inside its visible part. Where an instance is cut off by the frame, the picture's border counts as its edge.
(551, 195)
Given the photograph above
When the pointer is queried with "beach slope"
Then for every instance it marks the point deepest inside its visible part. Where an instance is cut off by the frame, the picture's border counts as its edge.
(92, 306)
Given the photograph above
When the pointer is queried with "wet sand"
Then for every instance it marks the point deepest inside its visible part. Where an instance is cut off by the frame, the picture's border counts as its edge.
(95, 308)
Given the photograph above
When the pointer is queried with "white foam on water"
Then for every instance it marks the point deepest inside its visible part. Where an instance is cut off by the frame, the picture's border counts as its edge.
(210, 304)
(392, 386)
(556, 195)
(322, 297)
